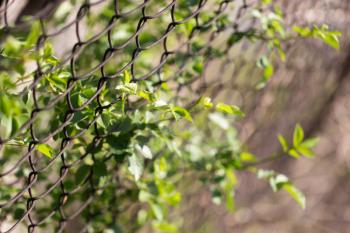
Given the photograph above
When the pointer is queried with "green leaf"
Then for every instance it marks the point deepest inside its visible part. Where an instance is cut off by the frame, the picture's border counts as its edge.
(266, 65)
(81, 173)
(144, 151)
(204, 102)
(128, 88)
(126, 78)
(173, 199)
(120, 142)
(12, 47)
(33, 35)
(305, 151)
(230, 183)
(293, 153)
(158, 210)
(6, 126)
(182, 112)
(323, 33)
(207, 103)
(302, 31)
(5, 105)
(18, 213)
(124, 124)
(296, 194)
(229, 109)
(142, 216)
(283, 143)
(247, 157)
(147, 95)
(100, 168)
(45, 149)
(145, 196)
(230, 200)
(164, 227)
(268, 72)
(16, 124)
(135, 166)
(266, 2)
(310, 142)
(27, 97)
(278, 181)
(298, 135)
(331, 38)
(235, 37)
(198, 66)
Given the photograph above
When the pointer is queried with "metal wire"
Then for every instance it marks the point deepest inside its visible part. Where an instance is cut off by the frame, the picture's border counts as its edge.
(29, 192)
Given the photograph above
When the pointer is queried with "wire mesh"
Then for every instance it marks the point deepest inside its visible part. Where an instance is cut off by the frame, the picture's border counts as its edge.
(45, 196)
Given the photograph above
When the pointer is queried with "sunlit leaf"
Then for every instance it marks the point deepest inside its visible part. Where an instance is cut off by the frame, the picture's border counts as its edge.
(165, 227)
(298, 135)
(293, 153)
(45, 149)
(126, 77)
(144, 151)
(128, 88)
(147, 95)
(229, 109)
(296, 194)
(310, 142)
(181, 112)
(135, 166)
(283, 143)
(305, 151)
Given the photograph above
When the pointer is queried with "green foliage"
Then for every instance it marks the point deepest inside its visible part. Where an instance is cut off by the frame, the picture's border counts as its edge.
(135, 166)
(268, 69)
(229, 109)
(323, 33)
(45, 150)
(275, 31)
(281, 182)
(300, 145)
(150, 139)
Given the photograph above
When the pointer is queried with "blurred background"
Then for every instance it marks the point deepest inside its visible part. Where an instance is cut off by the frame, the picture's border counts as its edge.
(311, 88)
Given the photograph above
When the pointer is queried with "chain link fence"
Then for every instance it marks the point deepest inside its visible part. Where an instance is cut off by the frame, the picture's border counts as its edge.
(194, 46)
(157, 41)
(310, 88)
